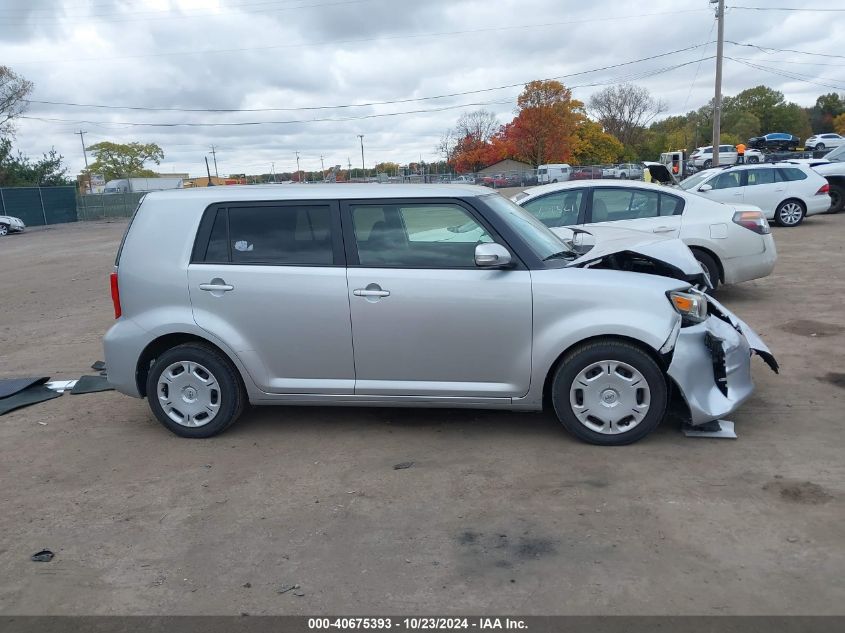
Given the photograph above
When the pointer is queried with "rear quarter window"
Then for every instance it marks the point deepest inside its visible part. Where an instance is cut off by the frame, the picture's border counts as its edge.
(790, 174)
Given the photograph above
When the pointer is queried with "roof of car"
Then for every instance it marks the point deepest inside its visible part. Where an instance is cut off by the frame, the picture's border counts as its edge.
(569, 184)
(339, 191)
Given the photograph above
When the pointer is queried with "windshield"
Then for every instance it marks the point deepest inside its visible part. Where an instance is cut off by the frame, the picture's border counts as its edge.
(837, 155)
(519, 196)
(539, 238)
(693, 181)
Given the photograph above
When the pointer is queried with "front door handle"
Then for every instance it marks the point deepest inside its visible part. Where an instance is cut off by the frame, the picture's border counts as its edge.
(217, 286)
(663, 229)
(366, 292)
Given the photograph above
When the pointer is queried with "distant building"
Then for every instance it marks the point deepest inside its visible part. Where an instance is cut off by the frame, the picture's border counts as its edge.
(216, 181)
(504, 166)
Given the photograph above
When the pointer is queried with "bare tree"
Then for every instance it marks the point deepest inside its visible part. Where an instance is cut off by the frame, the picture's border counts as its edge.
(14, 90)
(624, 110)
(446, 145)
(480, 125)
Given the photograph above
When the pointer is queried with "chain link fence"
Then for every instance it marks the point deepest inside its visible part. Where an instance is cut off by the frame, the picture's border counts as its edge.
(38, 206)
(107, 205)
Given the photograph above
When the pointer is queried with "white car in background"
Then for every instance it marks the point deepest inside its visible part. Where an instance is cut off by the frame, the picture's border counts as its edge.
(10, 224)
(819, 142)
(702, 157)
(732, 242)
(786, 192)
(623, 171)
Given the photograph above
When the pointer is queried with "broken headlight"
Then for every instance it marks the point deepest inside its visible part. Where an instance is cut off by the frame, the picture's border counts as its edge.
(691, 307)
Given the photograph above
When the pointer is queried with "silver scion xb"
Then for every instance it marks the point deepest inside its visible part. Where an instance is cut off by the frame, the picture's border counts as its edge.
(411, 295)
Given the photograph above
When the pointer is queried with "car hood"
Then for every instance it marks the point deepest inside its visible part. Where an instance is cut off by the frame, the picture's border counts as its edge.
(9, 218)
(660, 173)
(629, 249)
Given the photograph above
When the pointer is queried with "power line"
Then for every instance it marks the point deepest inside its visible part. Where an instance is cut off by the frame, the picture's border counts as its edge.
(698, 67)
(789, 75)
(641, 75)
(785, 61)
(299, 45)
(803, 9)
(366, 104)
(768, 49)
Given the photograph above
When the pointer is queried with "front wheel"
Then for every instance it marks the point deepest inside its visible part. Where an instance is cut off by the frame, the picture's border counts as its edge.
(609, 393)
(819, 147)
(4, 229)
(789, 213)
(837, 198)
(194, 391)
(710, 266)
(708, 164)
(753, 159)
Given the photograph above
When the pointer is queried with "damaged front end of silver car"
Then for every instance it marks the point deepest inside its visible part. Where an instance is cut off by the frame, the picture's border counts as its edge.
(711, 363)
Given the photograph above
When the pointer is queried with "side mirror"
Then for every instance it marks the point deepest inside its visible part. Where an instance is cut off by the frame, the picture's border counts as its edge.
(705, 187)
(492, 255)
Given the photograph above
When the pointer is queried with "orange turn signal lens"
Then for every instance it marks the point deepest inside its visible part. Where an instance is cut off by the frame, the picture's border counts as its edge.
(683, 304)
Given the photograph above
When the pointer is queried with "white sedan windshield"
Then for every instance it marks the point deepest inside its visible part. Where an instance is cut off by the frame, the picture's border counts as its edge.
(693, 181)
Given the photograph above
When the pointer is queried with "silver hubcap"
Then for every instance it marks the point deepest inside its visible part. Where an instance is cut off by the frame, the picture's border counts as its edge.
(791, 213)
(189, 394)
(610, 397)
(3, 229)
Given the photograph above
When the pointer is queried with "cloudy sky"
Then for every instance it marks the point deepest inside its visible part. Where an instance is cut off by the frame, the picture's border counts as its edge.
(292, 61)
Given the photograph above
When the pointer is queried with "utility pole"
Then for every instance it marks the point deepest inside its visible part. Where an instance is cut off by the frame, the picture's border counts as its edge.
(717, 98)
(85, 156)
(208, 171)
(361, 136)
(298, 174)
(214, 154)
(273, 172)
(322, 168)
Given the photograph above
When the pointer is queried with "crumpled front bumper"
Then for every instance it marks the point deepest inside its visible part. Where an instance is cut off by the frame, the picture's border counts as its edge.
(711, 364)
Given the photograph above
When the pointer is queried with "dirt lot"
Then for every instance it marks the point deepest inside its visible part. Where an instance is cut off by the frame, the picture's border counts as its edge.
(501, 512)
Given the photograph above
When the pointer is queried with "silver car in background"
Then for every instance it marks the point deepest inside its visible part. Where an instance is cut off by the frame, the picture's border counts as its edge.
(411, 295)
(11, 224)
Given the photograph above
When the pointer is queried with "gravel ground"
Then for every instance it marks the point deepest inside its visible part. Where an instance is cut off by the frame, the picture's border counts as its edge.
(500, 512)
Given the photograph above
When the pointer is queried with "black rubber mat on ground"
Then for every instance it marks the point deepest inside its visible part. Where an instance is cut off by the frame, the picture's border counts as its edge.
(91, 384)
(10, 386)
(30, 395)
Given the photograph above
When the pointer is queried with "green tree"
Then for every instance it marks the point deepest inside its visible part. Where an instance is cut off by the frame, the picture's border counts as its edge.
(743, 125)
(124, 160)
(18, 170)
(839, 124)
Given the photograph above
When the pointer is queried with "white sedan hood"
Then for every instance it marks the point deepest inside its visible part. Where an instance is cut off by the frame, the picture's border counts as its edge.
(609, 241)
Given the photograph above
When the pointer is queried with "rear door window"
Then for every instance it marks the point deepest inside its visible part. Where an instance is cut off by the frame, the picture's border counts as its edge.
(284, 235)
(760, 177)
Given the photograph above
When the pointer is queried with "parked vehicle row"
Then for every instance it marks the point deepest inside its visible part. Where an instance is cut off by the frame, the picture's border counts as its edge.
(702, 157)
(425, 296)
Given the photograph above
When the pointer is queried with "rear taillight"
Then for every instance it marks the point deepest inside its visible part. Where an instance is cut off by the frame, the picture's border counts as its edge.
(753, 221)
(115, 295)
(824, 189)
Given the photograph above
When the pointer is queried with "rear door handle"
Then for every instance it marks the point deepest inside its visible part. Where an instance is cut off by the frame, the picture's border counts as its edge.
(217, 287)
(363, 292)
(663, 229)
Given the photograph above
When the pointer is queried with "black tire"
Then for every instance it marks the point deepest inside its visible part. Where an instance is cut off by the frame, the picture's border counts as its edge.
(837, 198)
(623, 176)
(785, 219)
(753, 160)
(707, 164)
(232, 397)
(819, 147)
(710, 265)
(580, 359)
(554, 181)
(4, 229)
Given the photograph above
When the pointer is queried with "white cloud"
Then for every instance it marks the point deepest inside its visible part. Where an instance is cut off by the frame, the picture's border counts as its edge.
(301, 53)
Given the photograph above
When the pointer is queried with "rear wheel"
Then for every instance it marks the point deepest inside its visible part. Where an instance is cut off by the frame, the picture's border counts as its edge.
(753, 159)
(708, 164)
(837, 198)
(194, 391)
(789, 213)
(609, 392)
(819, 147)
(4, 229)
(710, 266)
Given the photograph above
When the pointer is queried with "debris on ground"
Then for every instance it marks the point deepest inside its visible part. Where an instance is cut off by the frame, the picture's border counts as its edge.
(98, 365)
(286, 588)
(26, 397)
(11, 386)
(402, 465)
(44, 556)
(91, 384)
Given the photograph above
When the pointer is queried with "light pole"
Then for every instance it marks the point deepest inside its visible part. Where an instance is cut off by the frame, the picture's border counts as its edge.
(85, 156)
(361, 136)
(322, 169)
(717, 98)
